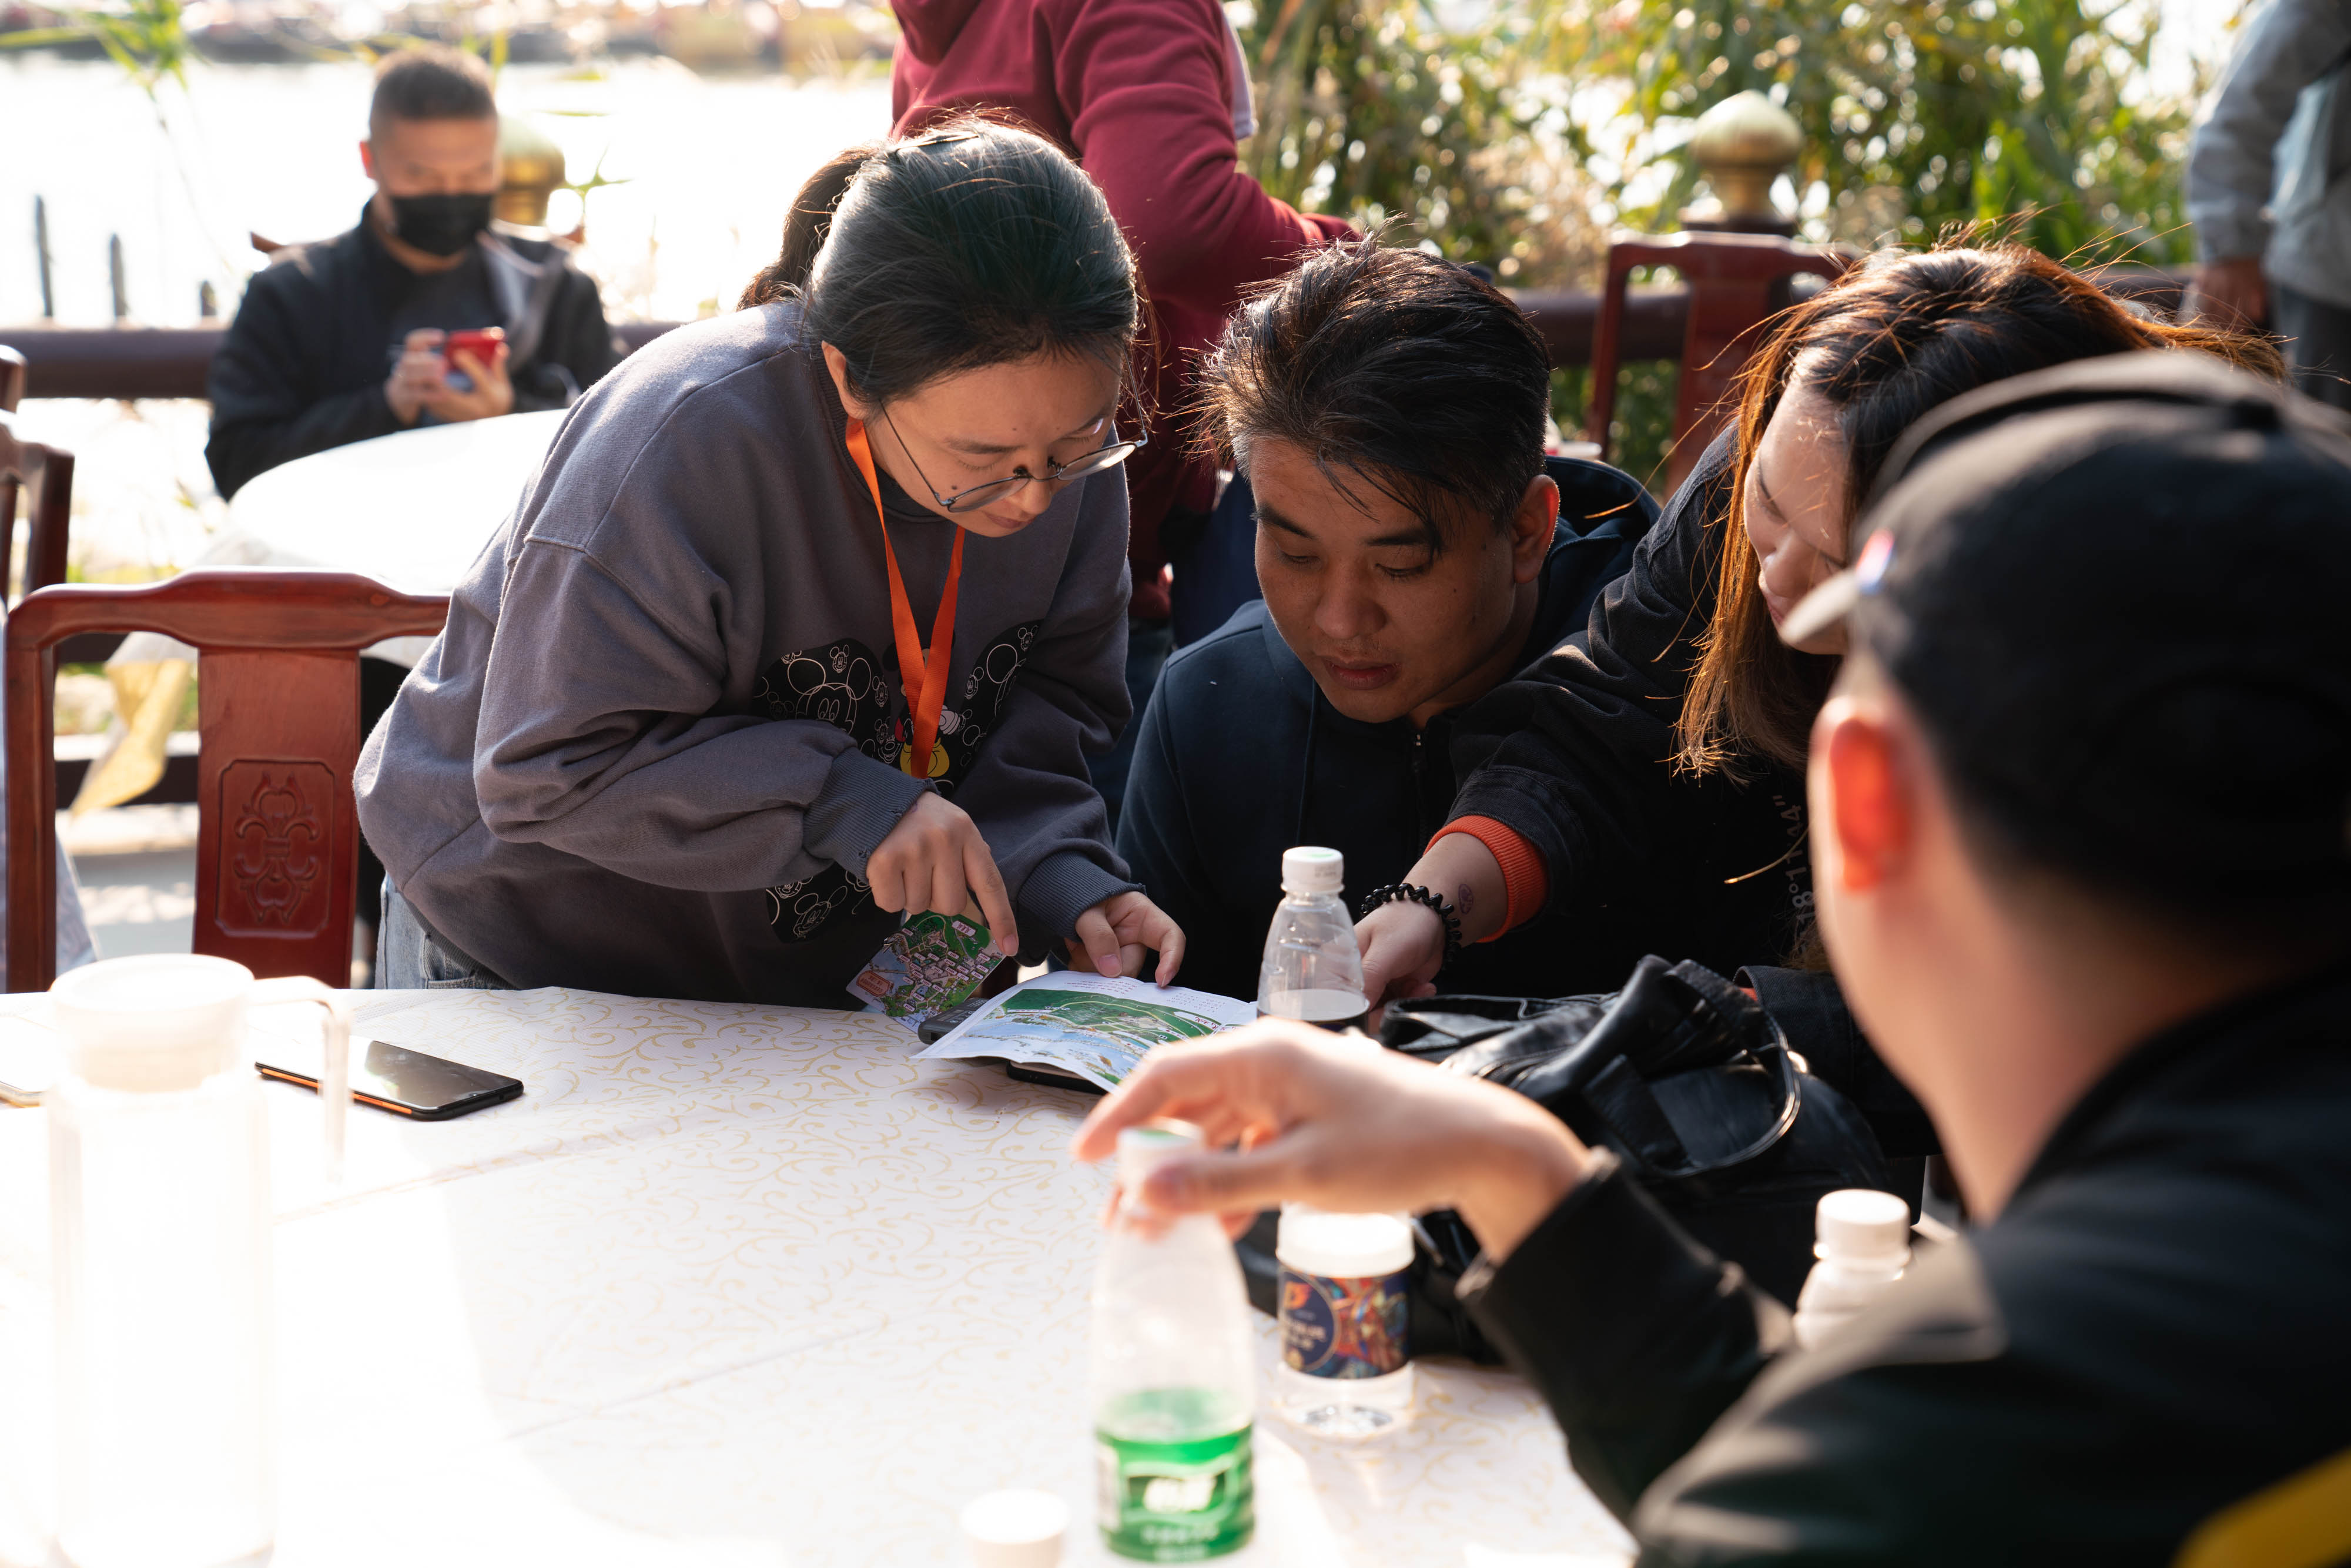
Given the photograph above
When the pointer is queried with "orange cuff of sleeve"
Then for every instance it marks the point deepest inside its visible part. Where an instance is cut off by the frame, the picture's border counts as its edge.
(1526, 881)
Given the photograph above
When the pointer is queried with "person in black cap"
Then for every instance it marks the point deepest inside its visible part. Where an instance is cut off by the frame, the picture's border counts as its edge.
(2082, 837)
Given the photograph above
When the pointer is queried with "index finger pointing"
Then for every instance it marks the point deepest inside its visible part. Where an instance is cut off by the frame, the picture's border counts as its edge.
(986, 884)
(1199, 1080)
(1171, 953)
(1132, 1104)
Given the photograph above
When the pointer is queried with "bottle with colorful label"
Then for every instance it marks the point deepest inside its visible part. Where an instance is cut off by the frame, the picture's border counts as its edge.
(1174, 1382)
(1345, 1311)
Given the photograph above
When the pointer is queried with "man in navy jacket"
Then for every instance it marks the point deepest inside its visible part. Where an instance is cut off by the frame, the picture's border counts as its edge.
(1416, 548)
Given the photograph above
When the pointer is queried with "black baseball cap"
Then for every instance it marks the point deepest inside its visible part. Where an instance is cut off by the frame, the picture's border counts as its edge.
(2117, 595)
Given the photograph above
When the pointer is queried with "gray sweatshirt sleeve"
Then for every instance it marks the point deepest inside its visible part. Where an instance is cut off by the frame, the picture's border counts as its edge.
(616, 758)
(1028, 788)
(2232, 160)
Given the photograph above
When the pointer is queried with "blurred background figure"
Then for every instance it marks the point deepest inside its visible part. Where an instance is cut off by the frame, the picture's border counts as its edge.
(421, 314)
(1152, 98)
(2267, 193)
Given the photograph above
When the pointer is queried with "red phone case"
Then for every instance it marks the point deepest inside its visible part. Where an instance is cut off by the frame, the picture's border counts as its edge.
(482, 345)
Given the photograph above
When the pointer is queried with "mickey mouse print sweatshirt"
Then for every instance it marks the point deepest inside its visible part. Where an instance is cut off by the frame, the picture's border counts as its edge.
(658, 739)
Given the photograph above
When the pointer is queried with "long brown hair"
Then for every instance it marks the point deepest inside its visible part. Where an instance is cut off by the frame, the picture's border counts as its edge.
(1894, 337)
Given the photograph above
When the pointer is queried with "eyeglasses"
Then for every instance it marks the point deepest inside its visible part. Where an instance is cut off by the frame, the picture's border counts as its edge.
(1108, 456)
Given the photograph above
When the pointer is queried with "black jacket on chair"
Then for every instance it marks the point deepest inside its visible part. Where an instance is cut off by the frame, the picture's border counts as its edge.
(2152, 1331)
(1238, 758)
(304, 364)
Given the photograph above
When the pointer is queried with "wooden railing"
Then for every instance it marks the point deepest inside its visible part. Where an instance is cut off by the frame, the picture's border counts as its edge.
(170, 362)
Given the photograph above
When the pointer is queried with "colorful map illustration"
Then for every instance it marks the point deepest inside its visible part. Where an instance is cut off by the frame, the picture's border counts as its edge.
(1096, 1028)
(930, 964)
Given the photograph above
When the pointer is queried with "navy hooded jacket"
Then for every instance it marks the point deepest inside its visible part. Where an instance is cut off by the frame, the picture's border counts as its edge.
(1239, 758)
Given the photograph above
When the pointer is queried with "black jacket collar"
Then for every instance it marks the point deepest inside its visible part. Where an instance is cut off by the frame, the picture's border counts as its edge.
(2233, 1026)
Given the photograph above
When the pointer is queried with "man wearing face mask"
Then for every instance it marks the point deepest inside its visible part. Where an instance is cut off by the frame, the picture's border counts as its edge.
(349, 338)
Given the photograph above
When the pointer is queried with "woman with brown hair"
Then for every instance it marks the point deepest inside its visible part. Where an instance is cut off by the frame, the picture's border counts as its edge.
(1642, 786)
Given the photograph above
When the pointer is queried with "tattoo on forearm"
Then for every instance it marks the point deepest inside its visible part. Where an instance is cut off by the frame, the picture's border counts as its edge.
(1465, 898)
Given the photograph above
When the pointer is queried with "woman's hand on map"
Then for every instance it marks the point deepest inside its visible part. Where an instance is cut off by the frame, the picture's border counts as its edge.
(1114, 934)
(934, 859)
(1291, 1113)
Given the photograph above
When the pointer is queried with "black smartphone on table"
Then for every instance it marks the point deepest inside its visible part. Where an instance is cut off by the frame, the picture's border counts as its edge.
(411, 1084)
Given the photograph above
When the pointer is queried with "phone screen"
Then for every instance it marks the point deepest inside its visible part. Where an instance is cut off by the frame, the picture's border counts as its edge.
(409, 1082)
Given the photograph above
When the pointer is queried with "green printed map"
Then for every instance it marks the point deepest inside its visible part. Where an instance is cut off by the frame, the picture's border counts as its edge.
(1094, 1027)
(1111, 1019)
(932, 963)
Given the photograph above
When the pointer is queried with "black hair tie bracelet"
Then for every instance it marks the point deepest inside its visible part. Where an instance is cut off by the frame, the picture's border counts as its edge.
(1412, 893)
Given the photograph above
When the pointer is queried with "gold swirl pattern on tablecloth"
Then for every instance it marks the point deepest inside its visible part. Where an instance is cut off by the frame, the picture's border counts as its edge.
(742, 1284)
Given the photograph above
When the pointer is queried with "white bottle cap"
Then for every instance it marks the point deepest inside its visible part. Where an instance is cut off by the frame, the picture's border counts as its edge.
(1342, 1246)
(1015, 1530)
(1311, 870)
(1860, 1222)
(1142, 1150)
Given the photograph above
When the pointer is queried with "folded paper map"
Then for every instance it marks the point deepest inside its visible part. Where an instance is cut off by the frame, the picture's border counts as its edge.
(930, 964)
(1096, 1028)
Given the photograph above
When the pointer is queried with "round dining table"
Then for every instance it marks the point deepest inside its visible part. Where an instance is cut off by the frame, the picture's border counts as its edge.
(411, 509)
(728, 1284)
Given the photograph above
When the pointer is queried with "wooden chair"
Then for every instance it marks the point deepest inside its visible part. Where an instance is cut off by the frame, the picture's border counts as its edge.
(1737, 282)
(45, 474)
(277, 684)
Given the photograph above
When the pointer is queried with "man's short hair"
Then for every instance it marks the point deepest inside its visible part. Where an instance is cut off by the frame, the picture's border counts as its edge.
(432, 82)
(1410, 372)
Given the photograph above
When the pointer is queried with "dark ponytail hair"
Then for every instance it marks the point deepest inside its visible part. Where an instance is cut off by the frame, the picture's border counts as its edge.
(973, 244)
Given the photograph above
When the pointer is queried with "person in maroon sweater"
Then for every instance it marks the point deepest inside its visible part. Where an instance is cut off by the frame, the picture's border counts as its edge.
(1151, 97)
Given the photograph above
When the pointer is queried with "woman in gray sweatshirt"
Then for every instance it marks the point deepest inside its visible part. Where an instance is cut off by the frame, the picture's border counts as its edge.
(807, 622)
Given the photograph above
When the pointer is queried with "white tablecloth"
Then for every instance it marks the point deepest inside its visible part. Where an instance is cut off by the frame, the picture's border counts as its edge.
(734, 1285)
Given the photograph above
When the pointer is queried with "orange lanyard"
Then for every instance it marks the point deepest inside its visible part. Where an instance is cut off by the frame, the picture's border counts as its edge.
(925, 681)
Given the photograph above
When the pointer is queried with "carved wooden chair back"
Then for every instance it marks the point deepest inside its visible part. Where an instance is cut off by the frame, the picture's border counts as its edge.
(1737, 282)
(277, 691)
(45, 474)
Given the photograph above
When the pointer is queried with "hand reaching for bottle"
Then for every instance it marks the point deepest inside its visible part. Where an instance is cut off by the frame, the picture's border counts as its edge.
(1404, 942)
(1293, 1114)
(1403, 947)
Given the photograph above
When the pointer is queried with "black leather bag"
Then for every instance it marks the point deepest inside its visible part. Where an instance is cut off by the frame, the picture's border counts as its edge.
(1684, 1078)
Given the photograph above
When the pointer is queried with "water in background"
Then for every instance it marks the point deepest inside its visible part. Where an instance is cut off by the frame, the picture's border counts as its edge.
(710, 166)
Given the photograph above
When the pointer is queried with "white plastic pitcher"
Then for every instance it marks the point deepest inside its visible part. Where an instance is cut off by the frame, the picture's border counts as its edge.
(159, 1173)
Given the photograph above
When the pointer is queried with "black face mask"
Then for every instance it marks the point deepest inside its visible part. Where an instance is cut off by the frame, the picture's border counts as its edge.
(440, 226)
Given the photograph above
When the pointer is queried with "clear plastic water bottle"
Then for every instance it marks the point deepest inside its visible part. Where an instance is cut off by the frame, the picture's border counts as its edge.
(1345, 1313)
(1174, 1382)
(1313, 969)
(1862, 1238)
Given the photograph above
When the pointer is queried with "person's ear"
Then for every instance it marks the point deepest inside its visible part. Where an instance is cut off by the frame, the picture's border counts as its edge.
(1869, 814)
(837, 362)
(1531, 526)
(367, 158)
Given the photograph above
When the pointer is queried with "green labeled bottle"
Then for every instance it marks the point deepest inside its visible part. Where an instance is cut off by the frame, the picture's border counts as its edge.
(1174, 1380)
